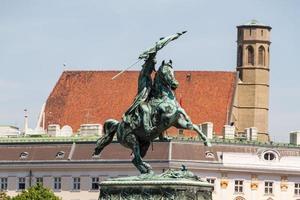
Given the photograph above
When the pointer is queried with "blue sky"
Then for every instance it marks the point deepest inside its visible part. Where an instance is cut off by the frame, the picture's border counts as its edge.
(37, 37)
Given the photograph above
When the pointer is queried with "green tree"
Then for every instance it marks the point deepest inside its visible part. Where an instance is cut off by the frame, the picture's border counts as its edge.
(36, 192)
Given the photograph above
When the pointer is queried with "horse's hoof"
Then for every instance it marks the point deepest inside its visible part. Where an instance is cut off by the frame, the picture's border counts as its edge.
(94, 155)
(164, 139)
(96, 152)
(207, 143)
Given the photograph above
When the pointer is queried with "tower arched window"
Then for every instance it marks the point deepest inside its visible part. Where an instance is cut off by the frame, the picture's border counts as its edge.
(240, 56)
(250, 55)
(261, 55)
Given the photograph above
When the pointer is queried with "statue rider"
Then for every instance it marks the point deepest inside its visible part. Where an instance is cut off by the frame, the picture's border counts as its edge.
(139, 108)
(139, 112)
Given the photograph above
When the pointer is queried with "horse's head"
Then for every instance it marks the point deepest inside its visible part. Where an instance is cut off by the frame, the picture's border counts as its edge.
(166, 74)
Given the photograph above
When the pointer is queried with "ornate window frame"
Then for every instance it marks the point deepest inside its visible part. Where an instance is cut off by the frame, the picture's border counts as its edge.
(24, 155)
(60, 154)
(209, 154)
(269, 155)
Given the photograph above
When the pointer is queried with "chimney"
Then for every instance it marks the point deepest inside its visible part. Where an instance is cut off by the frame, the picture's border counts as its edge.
(25, 121)
(207, 128)
(189, 77)
(251, 133)
(228, 132)
(54, 130)
(295, 137)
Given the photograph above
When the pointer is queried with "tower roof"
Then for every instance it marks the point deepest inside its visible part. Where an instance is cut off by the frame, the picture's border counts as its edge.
(254, 23)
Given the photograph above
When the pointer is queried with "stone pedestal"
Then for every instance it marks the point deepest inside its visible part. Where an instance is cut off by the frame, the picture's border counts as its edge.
(155, 188)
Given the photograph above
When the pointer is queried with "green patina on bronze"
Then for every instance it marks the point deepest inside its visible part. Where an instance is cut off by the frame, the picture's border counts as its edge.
(170, 174)
(154, 110)
(170, 185)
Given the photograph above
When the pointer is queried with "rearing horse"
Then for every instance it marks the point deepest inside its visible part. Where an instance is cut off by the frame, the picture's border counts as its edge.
(165, 112)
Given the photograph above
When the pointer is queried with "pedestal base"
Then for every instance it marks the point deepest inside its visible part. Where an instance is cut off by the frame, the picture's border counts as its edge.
(155, 188)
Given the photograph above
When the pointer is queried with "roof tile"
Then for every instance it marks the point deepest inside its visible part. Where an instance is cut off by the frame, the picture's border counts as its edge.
(92, 97)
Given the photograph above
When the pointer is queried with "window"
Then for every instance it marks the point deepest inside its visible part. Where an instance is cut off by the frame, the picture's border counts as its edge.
(212, 181)
(39, 180)
(241, 74)
(57, 183)
(60, 154)
(269, 156)
(209, 154)
(240, 56)
(262, 32)
(3, 184)
(95, 183)
(268, 187)
(24, 155)
(250, 32)
(261, 55)
(297, 189)
(240, 34)
(76, 183)
(21, 185)
(238, 186)
(250, 55)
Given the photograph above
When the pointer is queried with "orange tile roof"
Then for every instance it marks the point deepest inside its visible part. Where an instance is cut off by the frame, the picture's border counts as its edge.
(92, 97)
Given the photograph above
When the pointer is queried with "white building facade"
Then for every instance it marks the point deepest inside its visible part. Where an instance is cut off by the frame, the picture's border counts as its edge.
(238, 171)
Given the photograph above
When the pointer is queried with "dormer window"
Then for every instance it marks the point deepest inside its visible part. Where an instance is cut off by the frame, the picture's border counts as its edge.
(60, 154)
(24, 155)
(269, 156)
(188, 77)
(209, 154)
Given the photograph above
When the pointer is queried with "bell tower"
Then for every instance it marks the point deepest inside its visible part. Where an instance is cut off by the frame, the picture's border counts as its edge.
(251, 107)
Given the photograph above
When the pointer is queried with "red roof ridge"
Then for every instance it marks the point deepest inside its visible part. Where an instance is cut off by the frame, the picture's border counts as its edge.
(205, 71)
(108, 70)
(232, 96)
(56, 85)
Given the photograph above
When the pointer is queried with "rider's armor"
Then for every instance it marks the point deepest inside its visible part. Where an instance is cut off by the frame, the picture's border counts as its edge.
(139, 112)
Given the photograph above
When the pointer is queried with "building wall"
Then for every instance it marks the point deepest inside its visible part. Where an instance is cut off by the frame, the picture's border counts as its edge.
(226, 163)
(221, 192)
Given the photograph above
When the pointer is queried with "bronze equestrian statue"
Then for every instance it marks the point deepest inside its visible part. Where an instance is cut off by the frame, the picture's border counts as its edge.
(154, 110)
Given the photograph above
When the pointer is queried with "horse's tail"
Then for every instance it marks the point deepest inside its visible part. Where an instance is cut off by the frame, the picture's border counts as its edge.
(109, 129)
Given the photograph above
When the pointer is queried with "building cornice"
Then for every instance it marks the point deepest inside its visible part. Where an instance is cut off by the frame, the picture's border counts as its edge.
(220, 167)
(261, 84)
(251, 107)
(115, 165)
(251, 41)
(254, 68)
